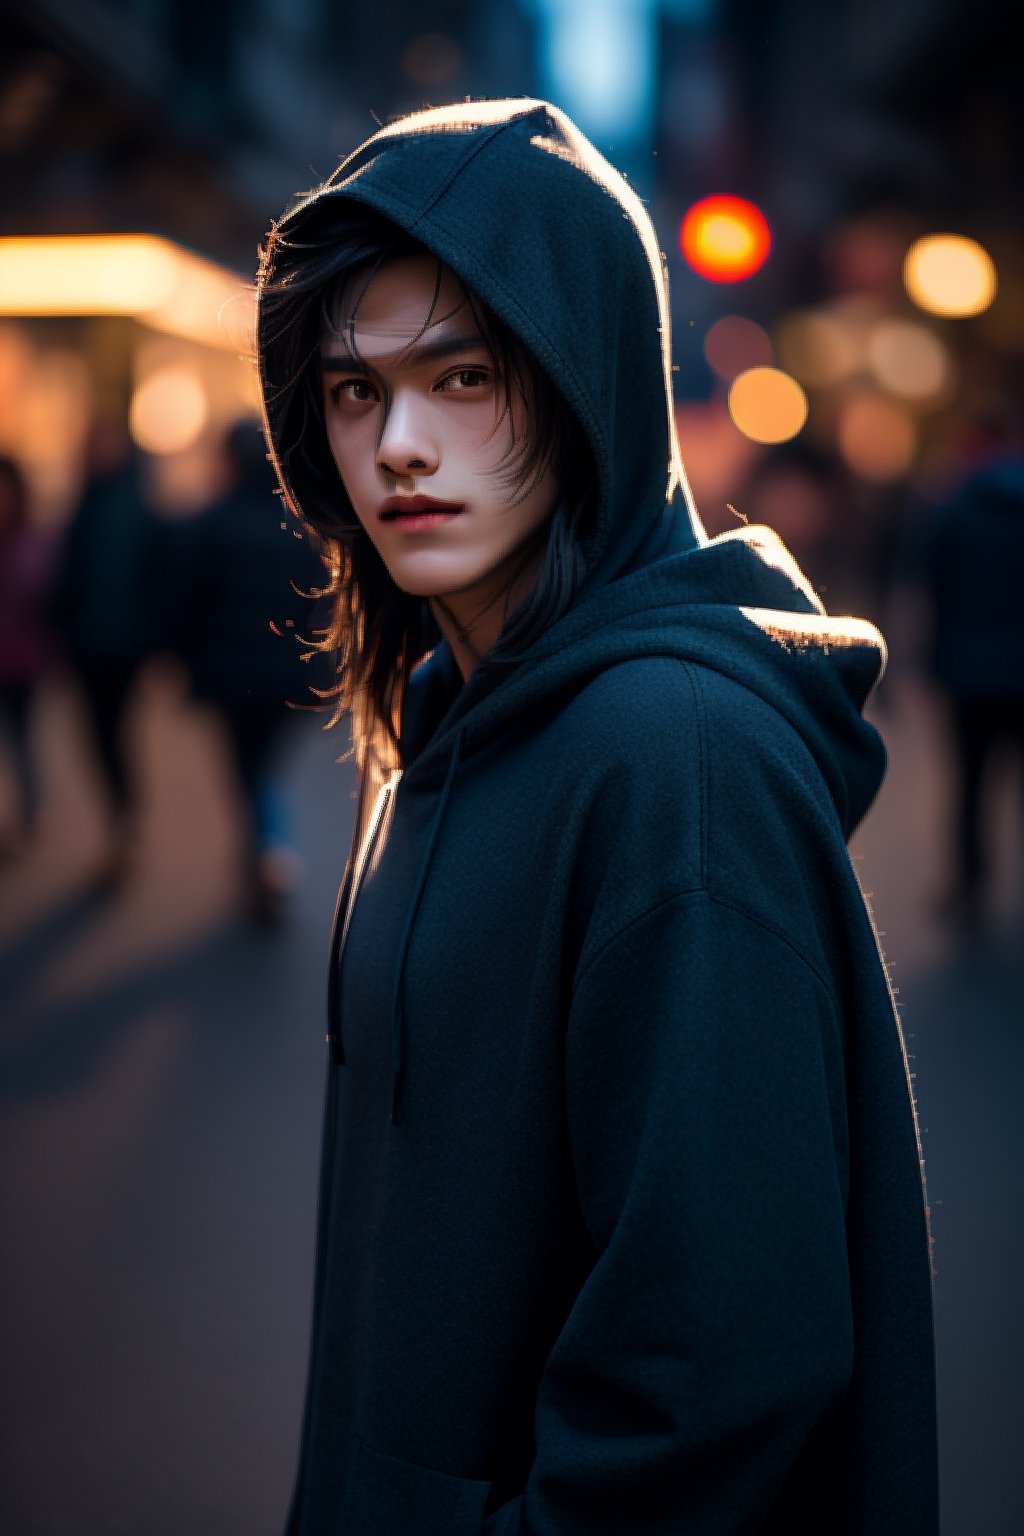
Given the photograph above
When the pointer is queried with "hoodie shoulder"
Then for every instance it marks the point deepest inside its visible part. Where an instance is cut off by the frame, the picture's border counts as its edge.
(666, 716)
(701, 783)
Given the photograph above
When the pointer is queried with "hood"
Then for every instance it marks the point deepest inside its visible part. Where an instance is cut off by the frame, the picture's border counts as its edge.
(522, 207)
(525, 211)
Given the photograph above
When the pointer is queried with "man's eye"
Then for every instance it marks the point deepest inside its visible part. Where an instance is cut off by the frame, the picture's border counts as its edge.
(465, 378)
(353, 391)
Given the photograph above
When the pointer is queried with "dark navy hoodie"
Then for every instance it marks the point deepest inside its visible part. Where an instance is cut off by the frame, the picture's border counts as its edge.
(621, 1224)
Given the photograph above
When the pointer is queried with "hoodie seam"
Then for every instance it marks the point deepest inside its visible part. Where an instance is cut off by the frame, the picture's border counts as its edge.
(728, 906)
(769, 927)
(641, 917)
(704, 765)
(457, 169)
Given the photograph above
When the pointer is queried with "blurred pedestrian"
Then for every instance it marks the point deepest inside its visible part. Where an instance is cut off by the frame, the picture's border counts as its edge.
(971, 554)
(244, 618)
(106, 608)
(26, 641)
(621, 1220)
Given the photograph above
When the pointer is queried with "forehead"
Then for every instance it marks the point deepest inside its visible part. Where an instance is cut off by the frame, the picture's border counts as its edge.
(412, 297)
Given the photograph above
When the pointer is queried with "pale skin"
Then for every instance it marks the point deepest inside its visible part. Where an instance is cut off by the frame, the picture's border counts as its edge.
(417, 410)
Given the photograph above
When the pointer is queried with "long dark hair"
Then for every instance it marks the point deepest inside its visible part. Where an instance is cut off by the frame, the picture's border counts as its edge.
(379, 632)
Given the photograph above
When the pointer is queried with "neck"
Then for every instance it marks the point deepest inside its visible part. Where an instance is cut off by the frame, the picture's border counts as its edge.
(472, 620)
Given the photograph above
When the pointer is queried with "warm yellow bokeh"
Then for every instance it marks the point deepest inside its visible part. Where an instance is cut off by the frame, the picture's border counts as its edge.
(949, 275)
(169, 410)
(85, 275)
(144, 276)
(818, 348)
(909, 360)
(876, 437)
(767, 405)
(726, 238)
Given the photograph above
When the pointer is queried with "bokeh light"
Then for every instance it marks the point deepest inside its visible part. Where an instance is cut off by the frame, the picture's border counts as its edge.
(169, 410)
(909, 360)
(767, 405)
(949, 275)
(817, 347)
(85, 274)
(725, 238)
(155, 280)
(734, 344)
(876, 437)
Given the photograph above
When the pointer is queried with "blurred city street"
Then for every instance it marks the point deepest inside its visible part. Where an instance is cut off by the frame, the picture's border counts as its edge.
(834, 192)
(161, 1064)
(962, 1005)
(162, 1078)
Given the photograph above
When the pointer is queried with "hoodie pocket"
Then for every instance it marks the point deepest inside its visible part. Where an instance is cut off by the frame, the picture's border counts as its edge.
(391, 1497)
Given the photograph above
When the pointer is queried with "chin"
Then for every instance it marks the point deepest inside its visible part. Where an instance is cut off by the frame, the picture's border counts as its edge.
(427, 579)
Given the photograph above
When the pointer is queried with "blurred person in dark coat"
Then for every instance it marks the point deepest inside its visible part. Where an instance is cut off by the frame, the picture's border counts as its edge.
(971, 559)
(106, 610)
(243, 577)
(26, 642)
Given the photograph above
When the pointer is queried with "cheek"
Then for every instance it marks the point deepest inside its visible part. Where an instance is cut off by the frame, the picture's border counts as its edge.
(472, 436)
(353, 449)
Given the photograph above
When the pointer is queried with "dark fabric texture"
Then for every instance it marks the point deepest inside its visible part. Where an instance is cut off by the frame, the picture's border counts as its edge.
(621, 1220)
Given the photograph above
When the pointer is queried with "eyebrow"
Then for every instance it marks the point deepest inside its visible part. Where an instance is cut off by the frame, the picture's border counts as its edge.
(420, 352)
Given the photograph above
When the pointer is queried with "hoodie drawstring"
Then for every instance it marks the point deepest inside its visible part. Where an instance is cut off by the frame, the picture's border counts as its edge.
(397, 1016)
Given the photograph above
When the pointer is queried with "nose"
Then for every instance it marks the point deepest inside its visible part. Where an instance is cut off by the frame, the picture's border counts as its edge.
(407, 446)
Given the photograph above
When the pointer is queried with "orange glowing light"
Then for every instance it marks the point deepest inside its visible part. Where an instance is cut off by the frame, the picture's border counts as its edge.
(725, 239)
(767, 405)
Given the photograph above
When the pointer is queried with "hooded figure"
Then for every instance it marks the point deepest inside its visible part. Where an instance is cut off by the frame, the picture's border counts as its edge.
(621, 1225)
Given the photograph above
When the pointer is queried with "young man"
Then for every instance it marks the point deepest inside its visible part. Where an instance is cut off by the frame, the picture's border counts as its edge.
(621, 1221)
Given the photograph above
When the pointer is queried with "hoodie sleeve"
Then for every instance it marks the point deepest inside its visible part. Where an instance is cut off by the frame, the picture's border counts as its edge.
(714, 1332)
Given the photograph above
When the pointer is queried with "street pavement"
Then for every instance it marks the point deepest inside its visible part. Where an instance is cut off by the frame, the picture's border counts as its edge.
(161, 1072)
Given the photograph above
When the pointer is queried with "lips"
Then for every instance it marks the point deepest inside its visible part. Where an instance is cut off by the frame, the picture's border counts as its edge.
(398, 508)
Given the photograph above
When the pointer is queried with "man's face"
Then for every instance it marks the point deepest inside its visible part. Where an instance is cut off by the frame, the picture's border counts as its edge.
(417, 426)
